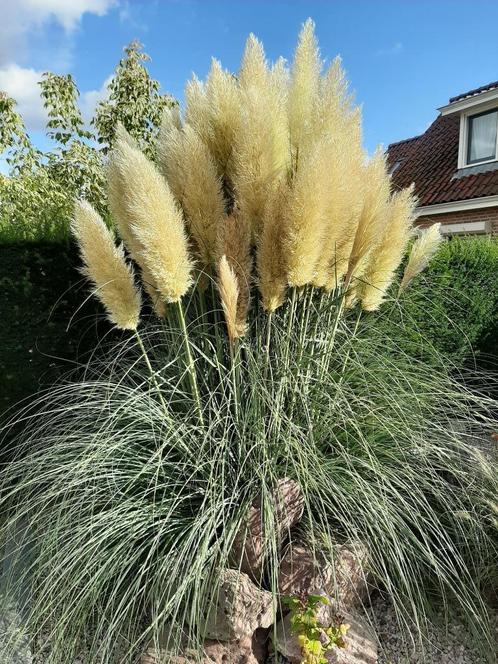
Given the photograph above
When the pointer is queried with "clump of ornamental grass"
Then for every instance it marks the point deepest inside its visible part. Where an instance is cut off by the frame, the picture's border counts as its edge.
(260, 238)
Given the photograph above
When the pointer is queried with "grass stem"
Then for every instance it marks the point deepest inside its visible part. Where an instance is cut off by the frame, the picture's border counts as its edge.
(190, 362)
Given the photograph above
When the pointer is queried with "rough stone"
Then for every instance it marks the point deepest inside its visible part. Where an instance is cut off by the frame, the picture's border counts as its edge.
(352, 582)
(305, 572)
(239, 608)
(361, 643)
(248, 550)
(246, 650)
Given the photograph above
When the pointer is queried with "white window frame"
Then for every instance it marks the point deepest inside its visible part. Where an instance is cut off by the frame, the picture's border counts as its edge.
(464, 134)
(466, 228)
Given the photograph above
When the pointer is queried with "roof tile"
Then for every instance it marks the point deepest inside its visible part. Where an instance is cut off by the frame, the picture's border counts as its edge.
(431, 160)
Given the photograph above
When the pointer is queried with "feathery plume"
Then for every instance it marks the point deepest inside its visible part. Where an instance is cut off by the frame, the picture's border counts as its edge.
(229, 294)
(202, 200)
(217, 116)
(106, 267)
(387, 256)
(304, 89)
(235, 244)
(372, 217)
(337, 123)
(171, 117)
(124, 221)
(344, 195)
(270, 257)
(422, 251)
(197, 113)
(170, 152)
(191, 172)
(261, 147)
(307, 217)
(154, 222)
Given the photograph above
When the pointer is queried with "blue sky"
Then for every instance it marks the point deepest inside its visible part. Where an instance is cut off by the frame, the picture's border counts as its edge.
(404, 58)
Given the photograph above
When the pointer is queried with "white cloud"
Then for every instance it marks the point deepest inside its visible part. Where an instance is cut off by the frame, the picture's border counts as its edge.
(66, 12)
(22, 18)
(22, 84)
(90, 99)
(396, 48)
(22, 22)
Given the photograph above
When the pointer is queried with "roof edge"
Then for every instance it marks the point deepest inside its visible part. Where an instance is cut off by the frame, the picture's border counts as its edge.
(460, 205)
(405, 140)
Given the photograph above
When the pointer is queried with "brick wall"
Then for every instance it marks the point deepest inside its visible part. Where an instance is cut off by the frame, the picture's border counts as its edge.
(484, 214)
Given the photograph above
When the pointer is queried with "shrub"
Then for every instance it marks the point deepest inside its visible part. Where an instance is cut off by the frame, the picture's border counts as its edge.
(130, 486)
(454, 304)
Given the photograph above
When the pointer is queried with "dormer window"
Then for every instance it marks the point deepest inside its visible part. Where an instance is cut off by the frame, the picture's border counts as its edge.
(478, 144)
(482, 134)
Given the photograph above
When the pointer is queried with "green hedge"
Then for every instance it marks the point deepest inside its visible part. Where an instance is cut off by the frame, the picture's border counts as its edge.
(454, 303)
(44, 329)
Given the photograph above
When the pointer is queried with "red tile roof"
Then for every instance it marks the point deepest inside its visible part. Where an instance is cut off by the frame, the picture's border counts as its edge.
(431, 160)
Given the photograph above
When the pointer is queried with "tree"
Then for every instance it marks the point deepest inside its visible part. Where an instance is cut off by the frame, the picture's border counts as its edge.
(21, 154)
(36, 200)
(134, 100)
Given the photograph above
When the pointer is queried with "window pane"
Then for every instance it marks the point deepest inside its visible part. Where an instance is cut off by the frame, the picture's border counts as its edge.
(482, 137)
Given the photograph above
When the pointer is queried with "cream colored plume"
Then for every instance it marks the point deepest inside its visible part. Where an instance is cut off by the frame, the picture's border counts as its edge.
(270, 257)
(422, 251)
(154, 222)
(373, 214)
(197, 113)
(122, 134)
(229, 294)
(261, 146)
(234, 243)
(202, 201)
(116, 189)
(170, 152)
(340, 124)
(213, 110)
(307, 212)
(344, 196)
(105, 266)
(171, 116)
(304, 90)
(192, 175)
(386, 257)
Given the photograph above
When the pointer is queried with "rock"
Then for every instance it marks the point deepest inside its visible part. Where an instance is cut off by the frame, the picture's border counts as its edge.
(304, 572)
(246, 650)
(361, 644)
(248, 550)
(239, 608)
(307, 572)
(352, 581)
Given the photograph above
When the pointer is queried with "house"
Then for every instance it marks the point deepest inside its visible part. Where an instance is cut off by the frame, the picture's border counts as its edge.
(454, 164)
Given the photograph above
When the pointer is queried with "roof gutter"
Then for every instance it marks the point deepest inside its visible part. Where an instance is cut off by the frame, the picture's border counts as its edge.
(468, 102)
(457, 206)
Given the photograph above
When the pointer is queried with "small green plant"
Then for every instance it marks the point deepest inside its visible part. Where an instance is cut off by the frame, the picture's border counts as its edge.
(315, 638)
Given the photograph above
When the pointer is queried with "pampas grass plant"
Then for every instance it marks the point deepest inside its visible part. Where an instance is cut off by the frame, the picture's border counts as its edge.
(252, 235)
